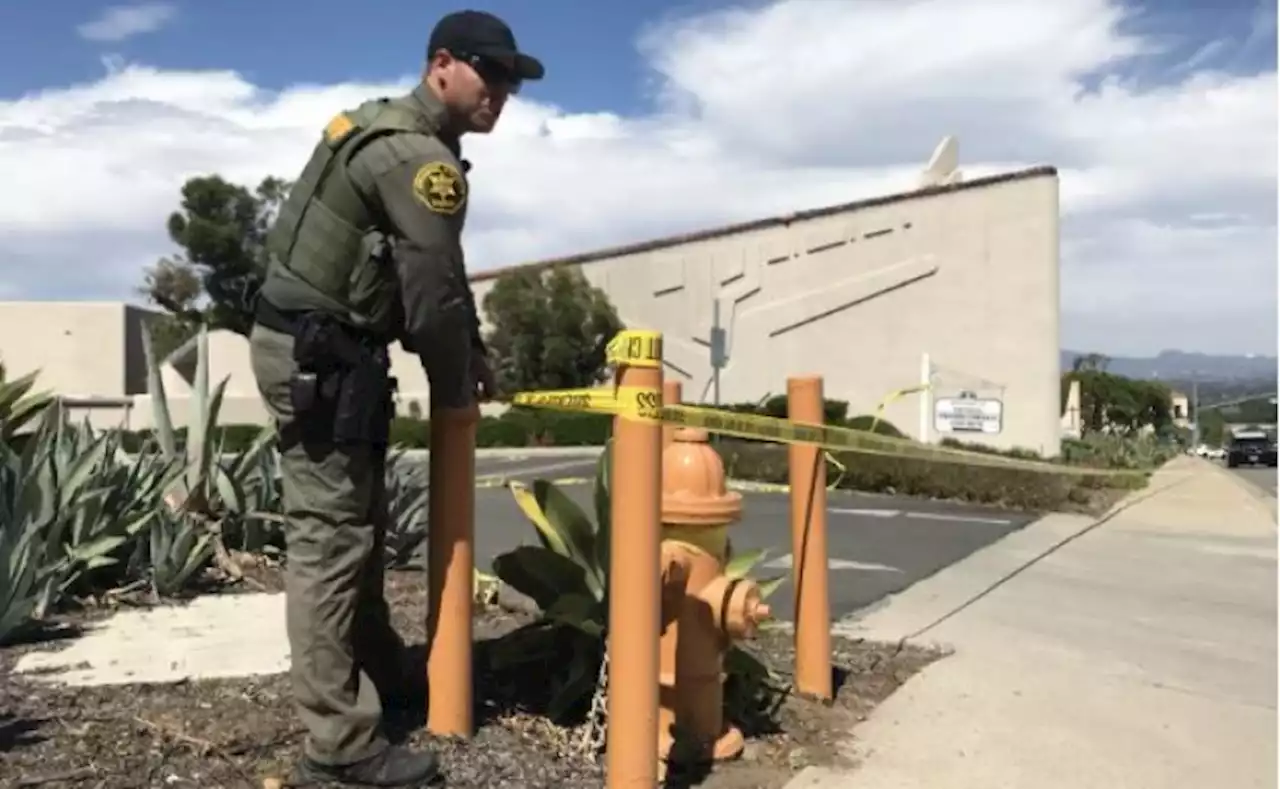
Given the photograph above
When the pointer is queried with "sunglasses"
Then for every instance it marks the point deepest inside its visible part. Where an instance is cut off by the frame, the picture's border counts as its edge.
(492, 71)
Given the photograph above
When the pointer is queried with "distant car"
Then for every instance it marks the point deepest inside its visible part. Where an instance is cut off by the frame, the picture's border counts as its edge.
(1206, 451)
(1253, 449)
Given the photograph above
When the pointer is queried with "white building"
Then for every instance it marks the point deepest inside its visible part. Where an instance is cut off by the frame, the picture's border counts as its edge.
(954, 284)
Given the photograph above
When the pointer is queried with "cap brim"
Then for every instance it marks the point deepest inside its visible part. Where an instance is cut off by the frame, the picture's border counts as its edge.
(525, 66)
(529, 67)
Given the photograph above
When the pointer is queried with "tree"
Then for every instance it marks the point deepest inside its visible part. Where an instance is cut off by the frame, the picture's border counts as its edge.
(221, 228)
(548, 329)
(1119, 404)
(1213, 427)
(1090, 363)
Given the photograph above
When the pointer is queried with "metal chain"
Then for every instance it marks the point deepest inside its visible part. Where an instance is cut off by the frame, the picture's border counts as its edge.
(591, 742)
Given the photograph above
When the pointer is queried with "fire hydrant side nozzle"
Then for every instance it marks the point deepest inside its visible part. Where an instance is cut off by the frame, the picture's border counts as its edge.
(703, 609)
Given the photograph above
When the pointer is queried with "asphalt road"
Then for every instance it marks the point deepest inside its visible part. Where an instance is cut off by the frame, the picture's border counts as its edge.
(1262, 478)
(876, 545)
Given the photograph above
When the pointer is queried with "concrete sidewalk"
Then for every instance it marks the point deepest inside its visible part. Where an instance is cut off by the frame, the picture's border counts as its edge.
(1138, 651)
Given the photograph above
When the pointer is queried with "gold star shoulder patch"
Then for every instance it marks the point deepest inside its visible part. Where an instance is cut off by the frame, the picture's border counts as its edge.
(440, 187)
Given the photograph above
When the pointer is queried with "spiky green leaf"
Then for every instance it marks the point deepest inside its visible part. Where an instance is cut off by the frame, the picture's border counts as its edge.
(541, 574)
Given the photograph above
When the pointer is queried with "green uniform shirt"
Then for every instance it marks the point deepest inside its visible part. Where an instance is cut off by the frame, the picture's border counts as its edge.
(419, 184)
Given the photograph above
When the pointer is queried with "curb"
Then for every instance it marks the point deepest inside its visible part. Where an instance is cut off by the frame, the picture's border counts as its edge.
(1267, 502)
(513, 453)
(745, 486)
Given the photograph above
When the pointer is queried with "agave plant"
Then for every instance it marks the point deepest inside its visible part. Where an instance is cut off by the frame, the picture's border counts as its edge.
(217, 493)
(178, 548)
(567, 575)
(68, 506)
(406, 496)
(249, 491)
(17, 406)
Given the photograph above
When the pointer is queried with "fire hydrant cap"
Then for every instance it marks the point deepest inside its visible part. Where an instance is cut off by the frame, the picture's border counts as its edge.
(745, 609)
(691, 435)
(693, 483)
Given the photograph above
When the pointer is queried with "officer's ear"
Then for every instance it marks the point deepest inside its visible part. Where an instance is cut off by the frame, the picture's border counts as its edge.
(466, 166)
(439, 60)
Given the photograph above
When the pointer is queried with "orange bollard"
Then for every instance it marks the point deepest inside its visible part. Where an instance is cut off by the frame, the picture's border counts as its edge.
(450, 565)
(808, 477)
(672, 393)
(634, 602)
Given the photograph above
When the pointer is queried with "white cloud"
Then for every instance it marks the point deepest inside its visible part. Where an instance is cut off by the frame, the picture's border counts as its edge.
(116, 23)
(1168, 191)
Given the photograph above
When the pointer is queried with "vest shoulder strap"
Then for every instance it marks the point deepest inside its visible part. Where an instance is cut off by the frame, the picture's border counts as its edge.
(344, 135)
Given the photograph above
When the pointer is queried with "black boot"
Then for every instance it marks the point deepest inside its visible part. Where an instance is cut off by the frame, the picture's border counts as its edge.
(395, 766)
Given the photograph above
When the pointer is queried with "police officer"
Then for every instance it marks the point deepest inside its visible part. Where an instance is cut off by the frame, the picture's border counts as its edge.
(366, 250)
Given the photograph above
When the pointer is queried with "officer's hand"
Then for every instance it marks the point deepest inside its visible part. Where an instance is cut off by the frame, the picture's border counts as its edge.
(482, 375)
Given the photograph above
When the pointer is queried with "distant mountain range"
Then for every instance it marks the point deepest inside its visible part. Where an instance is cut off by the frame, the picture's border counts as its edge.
(1182, 366)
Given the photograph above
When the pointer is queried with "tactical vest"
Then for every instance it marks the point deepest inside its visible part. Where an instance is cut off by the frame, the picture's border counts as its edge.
(322, 246)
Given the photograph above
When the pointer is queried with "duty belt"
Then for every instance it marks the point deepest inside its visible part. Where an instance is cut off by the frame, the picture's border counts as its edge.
(353, 345)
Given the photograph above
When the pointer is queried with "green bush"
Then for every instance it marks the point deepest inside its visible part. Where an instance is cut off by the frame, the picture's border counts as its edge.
(520, 427)
(1012, 488)
(517, 427)
(834, 412)
(1096, 450)
(235, 438)
(1017, 453)
(566, 575)
(1100, 450)
(535, 427)
(874, 425)
(530, 427)
(83, 510)
(410, 433)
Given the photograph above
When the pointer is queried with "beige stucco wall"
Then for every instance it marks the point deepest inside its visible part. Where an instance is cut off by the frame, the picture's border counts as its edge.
(964, 278)
(90, 353)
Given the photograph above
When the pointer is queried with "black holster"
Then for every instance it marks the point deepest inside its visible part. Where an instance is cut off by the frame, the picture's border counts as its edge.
(343, 387)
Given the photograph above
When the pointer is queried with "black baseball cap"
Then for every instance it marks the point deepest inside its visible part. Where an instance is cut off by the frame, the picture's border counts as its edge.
(484, 35)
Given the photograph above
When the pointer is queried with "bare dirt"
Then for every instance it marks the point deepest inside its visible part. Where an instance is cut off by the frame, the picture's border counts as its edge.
(236, 733)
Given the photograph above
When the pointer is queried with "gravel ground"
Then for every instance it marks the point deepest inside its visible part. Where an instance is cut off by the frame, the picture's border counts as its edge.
(236, 733)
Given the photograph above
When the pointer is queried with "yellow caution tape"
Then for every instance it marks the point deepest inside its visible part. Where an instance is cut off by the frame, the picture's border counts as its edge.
(638, 403)
(644, 405)
(643, 348)
(631, 347)
(635, 348)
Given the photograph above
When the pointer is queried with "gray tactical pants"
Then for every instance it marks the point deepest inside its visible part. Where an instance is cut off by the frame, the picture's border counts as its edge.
(346, 656)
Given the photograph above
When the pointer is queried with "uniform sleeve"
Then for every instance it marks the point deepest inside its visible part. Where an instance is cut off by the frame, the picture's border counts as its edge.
(417, 184)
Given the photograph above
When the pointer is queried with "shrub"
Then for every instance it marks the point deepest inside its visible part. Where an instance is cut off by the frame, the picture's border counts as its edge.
(874, 425)
(85, 510)
(234, 438)
(1018, 453)
(410, 433)
(566, 575)
(517, 427)
(833, 411)
(1101, 450)
(1004, 487)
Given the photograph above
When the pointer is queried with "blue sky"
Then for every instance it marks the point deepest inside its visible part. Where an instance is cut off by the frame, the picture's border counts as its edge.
(588, 47)
(1160, 117)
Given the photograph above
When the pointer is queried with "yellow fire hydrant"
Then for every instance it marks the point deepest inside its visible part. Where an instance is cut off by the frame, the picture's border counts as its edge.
(703, 611)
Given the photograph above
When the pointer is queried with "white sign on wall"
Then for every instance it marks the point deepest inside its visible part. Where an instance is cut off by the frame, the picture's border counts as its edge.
(967, 414)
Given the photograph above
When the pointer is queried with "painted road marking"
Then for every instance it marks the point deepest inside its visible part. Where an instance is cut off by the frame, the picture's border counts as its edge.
(938, 516)
(520, 472)
(928, 516)
(784, 563)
